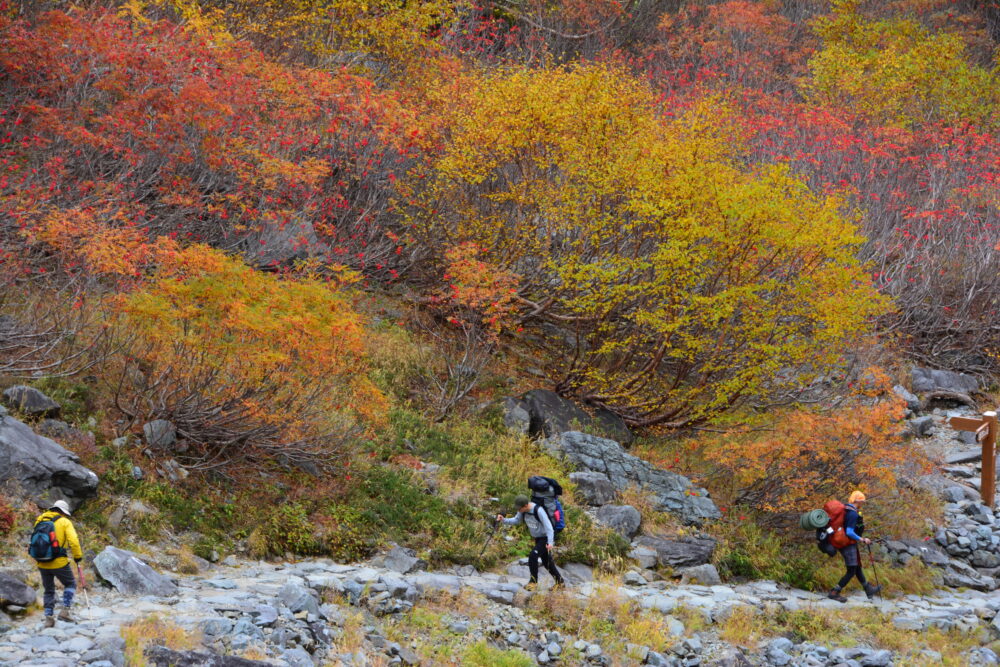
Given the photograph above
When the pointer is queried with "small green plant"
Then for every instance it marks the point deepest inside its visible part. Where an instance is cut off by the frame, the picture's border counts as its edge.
(345, 538)
(482, 654)
(285, 529)
(749, 550)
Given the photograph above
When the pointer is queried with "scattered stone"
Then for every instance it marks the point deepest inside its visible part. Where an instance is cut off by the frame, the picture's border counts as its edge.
(298, 598)
(967, 456)
(921, 426)
(980, 513)
(912, 402)
(123, 570)
(160, 434)
(30, 401)
(408, 656)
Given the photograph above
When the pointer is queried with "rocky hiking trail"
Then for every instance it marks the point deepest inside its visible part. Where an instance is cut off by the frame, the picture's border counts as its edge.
(294, 613)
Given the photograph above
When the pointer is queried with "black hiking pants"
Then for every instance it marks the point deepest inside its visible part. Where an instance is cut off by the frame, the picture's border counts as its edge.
(65, 576)
(852, 561)
(540, 553)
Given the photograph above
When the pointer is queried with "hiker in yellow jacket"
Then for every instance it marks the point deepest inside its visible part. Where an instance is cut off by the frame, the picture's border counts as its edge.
(50, 549)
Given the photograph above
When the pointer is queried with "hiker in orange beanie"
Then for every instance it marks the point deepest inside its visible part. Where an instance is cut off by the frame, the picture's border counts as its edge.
(854, 526)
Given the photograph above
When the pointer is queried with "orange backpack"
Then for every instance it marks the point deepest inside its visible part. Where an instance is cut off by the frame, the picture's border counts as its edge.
(836, 511)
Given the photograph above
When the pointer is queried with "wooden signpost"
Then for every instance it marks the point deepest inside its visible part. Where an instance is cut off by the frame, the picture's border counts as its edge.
(985, 429)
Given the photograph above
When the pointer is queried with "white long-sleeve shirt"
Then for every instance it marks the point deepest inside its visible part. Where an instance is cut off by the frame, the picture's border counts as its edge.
(538, 523)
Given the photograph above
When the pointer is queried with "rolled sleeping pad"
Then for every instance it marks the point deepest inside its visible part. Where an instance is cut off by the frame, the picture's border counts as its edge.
(814, 520)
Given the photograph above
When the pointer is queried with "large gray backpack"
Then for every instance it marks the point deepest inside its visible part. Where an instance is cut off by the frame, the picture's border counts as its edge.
(545, 493)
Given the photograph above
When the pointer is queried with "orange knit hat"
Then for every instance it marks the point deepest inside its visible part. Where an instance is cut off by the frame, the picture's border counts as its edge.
(856, 496)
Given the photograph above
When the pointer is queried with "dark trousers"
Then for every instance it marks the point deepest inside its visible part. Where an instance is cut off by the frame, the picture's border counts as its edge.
(852, 561)
(65, 576)
(540, 553)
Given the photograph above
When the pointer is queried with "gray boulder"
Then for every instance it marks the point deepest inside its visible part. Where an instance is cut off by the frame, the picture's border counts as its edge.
(404, 561)
(516, 415)
(41, 468)
(13, 591)
(927, 551)
(160, 434)
(29, 401)
(681, 552)
(299, 598)
(926, 379)
(623, 519)
(544, 413)
(161, 656)
(672, 492)
(123, 570)
(705, 575)
(912, 402)
(921, 426)
(594, 487)
(985, 559)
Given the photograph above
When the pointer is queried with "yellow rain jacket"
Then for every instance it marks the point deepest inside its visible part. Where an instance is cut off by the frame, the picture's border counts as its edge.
(66, 536)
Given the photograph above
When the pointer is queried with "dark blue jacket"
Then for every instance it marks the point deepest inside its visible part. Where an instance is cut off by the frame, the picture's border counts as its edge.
(851, 520)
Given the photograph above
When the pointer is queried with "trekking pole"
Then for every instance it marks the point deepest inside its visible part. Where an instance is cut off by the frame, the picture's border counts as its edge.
(871, 557)
(496, 524)
(86, 595)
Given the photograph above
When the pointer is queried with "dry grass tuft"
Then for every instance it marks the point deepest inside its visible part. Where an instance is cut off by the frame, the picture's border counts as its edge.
(749, 627)
(153, 630)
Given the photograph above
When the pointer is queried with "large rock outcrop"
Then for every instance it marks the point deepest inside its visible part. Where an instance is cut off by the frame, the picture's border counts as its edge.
(927, 379)
(672, 492)
(123, 570)
(161, 656)
(544, 413)
(40, 467)
(680, 552)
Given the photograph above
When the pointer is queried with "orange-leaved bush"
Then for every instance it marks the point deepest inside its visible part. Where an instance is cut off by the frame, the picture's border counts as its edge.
(683, 280)
(248, 366)
(807, 455)
(133, 129)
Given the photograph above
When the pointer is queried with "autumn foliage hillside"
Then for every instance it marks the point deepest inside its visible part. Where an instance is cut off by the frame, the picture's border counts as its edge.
(319, 237)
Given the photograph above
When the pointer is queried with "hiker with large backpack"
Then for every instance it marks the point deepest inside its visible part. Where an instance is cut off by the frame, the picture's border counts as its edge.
(53, 541)
(845, 531)
(541, 527)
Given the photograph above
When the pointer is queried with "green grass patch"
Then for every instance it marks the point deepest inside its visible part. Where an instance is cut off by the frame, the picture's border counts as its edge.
(482, 654)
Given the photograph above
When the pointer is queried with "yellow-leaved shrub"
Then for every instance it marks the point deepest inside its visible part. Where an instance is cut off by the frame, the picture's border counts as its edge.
(246, 364)
(674, 283)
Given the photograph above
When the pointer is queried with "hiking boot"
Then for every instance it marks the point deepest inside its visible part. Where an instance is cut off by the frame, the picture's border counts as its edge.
(872, 591)
(50, 621)
(531, 586)
(65, 616)
(561, 583)
(835, 595)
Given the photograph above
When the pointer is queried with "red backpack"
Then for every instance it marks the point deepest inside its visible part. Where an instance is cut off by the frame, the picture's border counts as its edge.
(836, 511)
